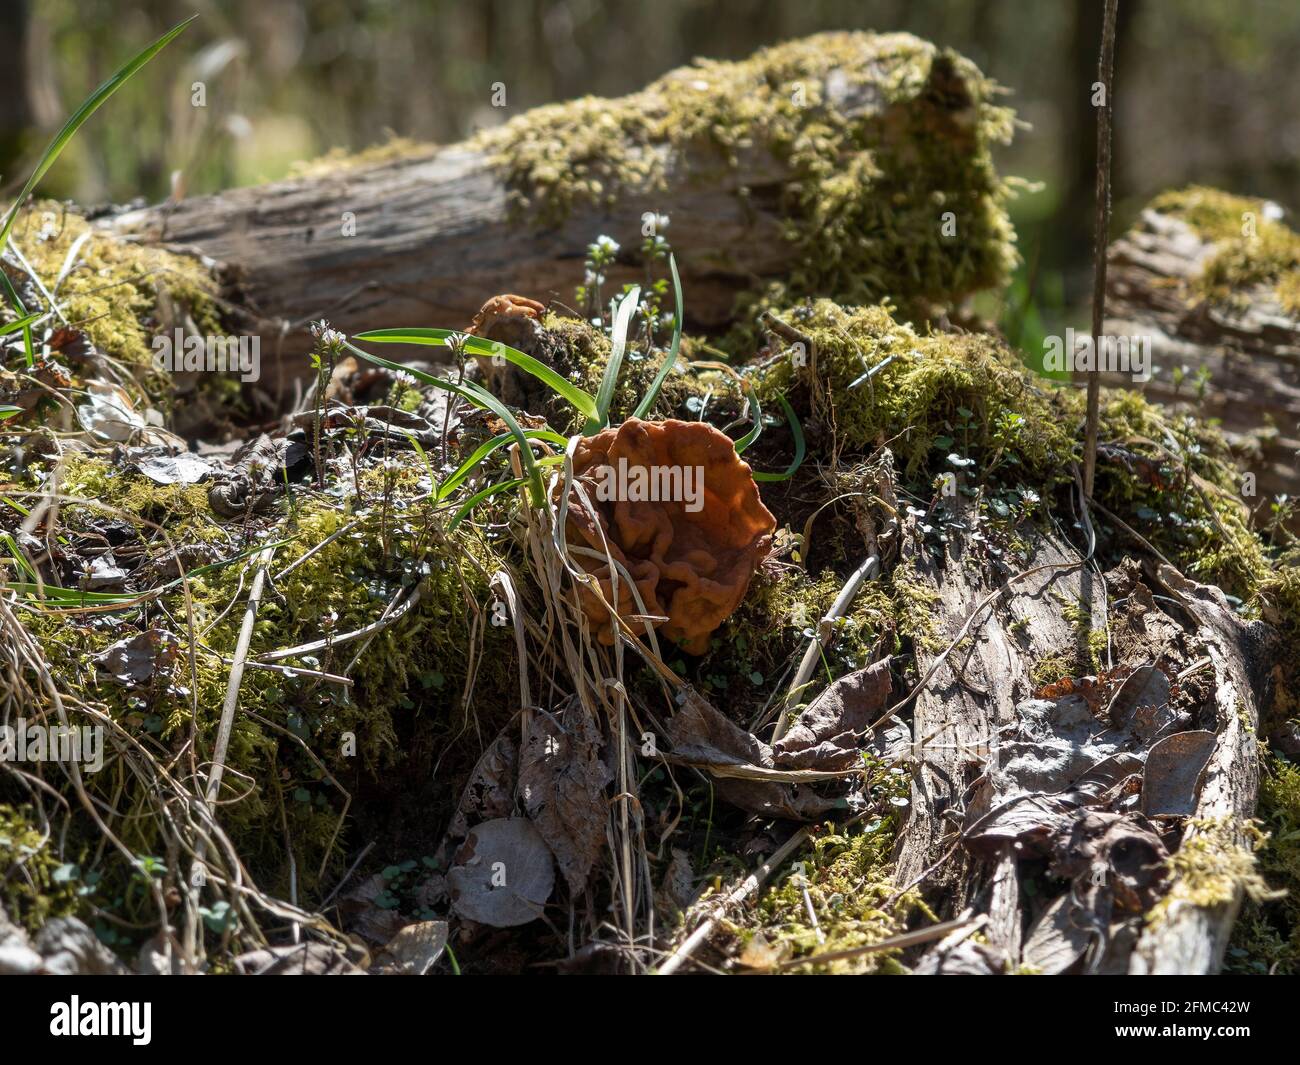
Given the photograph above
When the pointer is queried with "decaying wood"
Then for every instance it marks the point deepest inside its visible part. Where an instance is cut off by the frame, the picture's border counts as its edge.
(973, 694)
(1193, 938)
(971, 714)
(1252, 353)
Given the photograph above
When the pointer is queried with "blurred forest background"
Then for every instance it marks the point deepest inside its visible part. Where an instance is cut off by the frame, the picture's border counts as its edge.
(1206, 89)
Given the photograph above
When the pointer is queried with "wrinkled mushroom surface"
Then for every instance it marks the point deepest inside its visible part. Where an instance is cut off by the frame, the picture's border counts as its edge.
(678, 508)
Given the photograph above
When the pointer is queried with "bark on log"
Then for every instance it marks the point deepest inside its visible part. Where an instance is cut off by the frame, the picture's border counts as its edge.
(1252, 352)
(1008, 772)
(896, 129)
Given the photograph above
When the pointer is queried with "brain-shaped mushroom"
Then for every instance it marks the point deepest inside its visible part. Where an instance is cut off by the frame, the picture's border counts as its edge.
(675, 505)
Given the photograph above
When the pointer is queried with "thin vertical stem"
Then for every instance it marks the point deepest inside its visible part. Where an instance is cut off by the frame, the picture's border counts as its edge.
(1106, 75)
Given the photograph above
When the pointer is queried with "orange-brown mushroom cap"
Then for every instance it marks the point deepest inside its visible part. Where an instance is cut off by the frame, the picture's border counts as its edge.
(691, 554)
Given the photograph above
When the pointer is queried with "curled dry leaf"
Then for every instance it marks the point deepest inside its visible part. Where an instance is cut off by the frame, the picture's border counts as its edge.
(135, 660)
(299, 959)
(413, 951)
(825, 736)
(161, 468)
(1059, 937)
(1141, 705)
(1175, 766)
(702, 736)
(110, 414)
(365, 917)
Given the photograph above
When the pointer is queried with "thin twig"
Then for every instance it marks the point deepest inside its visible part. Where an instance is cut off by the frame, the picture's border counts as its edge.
(734, 897)
(1106, 75)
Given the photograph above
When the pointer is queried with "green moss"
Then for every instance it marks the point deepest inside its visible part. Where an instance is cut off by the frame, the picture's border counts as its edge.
(914, 607)
(965, 405)
(580, 352)
(752, 647)
(848, 877)
(880, 136)
(1053, 668)
(406, 701)
(1183, 493)
(1251, 249)
(113, 294)
(1212, 867)
(33, 885)
(941, 394)
(1266, 939)
(392, 150)
(182, 510)
(1091, 642)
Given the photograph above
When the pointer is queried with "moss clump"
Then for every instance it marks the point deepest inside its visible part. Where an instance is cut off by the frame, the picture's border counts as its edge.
(393, 150)
(113, 293)
(1177, 484)
(964, 406)
(1278, 599)
(750, 650)
(848, 875)
(580, 352)
(1267, 937)
(1212, 867)
(881, 136)
(1252, 247)
(914, 607)
(943, 394)
(410, 679)
(181, 509)
(34, 886)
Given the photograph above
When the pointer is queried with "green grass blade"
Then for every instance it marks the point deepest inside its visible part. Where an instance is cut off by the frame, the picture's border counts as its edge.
(8, 410)
(21, 323)
(24, 320)
(79, 117)
(33, 593)
(484, 450)
(649, 398)
(800, 448)
(479, 496)
(581, 400)
(618, 338)
(757, 431)
(17, 557)
(479, 397)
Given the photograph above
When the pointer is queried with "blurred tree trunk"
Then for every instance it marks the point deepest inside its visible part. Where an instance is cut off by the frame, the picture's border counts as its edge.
(1070, 249)
(16, 118)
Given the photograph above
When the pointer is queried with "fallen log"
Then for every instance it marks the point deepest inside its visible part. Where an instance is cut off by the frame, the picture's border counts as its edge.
(1210, 278)
(1124, 799)
(851, 165)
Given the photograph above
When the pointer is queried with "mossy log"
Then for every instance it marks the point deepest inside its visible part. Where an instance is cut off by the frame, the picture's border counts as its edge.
(852, 165)
(1214, 281)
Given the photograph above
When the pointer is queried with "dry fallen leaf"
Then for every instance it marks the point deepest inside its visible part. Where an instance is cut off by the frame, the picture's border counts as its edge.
(503, 874)
(562, 782)
(1172, 780)
(825, 736)
(413, 951)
